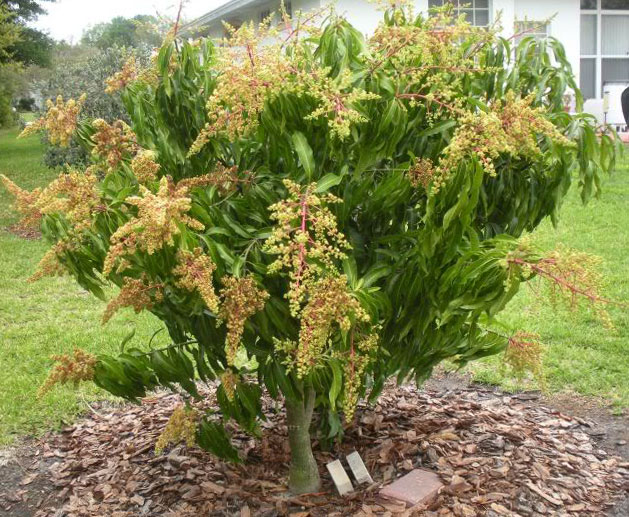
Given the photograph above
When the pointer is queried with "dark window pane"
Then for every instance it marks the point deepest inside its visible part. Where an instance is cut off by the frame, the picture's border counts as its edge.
(482, 17)
(615, 71)
(615, 4)
(588, 34)
(483, 4)
(588, 78)
(588, 4)
(615, 34)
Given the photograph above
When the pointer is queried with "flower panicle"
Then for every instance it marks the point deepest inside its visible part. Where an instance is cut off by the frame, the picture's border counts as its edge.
(126, 75)
(113, 142)
(572, 279)
(360, 356)
(159, 220)
(525, 353)
(181, 427)
(25, 203)
(75, 369)
(329, 303)
(138, 293)
(306, 239)
(145, 167)
(194, 271)
(241, 299)
(60, 120)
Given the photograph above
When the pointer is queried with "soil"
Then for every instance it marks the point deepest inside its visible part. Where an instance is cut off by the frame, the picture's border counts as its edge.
(31, 484)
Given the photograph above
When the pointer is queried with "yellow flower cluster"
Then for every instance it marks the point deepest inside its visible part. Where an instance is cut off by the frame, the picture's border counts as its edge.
(421, 172)
(428, 57)
(127, 74)
(144, 166)
(250, 72)
(76, 368)
(136, 293)
(524, 353)
(50, 264)
(254, 71)
(241, 299)
(25, 203)
(360, 357)
(329, 302)
(60, 120)
(224, 179)
(158, 221)
(337, 100)
(512, 126)
(181, 427)
(229, 381)
(74, 194)
(572, 278)
(194, 270)
(306, 238)
(113, 142)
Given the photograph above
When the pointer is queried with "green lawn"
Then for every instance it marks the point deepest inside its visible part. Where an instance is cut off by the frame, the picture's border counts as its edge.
(54, 315)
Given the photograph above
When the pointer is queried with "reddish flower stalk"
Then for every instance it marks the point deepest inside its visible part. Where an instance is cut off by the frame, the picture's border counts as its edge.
(302, 246)
(561, 281)
(430, 99)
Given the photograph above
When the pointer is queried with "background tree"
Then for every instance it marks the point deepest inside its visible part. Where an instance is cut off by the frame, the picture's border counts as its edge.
(317, 215)
(33, 47)
(20, 47)
(141, 30)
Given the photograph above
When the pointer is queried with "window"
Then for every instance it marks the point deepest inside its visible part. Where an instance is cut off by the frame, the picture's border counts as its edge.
(604, 45)
(539, 30)
(588, 34)
(615, 35)
(615, 4)
(615, 71)
(289, 8)
(587, 80)
(476, 11)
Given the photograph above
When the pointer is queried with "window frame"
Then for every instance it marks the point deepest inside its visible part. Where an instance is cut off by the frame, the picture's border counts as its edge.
(599, 12)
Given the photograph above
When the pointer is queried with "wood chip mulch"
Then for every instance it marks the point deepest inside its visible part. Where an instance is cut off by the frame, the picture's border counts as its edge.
(30, 234)
(497, 455)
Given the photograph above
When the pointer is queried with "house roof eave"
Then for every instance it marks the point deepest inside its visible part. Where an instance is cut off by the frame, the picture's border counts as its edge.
(217, 14)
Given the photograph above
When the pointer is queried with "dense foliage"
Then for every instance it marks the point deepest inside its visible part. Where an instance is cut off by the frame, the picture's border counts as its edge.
(317, 215)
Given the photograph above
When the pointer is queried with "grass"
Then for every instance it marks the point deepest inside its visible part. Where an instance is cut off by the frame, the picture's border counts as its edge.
(54, 315)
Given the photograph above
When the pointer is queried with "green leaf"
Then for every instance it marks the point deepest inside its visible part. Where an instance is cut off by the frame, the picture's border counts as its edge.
(212, 437)
(304, 152)
(327, 182)
(337, 382)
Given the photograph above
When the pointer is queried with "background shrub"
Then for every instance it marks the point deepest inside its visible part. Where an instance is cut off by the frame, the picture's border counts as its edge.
(87, 74)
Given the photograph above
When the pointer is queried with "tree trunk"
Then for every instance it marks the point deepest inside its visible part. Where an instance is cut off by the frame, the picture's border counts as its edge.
(303, 475)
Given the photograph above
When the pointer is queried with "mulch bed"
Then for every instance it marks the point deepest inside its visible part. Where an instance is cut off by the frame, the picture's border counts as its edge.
(30, 234)
(496, 454)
